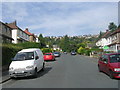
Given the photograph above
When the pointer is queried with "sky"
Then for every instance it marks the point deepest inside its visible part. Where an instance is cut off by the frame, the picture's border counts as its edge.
(61, 18)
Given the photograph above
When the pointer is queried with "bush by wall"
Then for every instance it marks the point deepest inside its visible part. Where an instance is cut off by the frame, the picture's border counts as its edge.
(28, 45)
(46, 50)
(8, 52)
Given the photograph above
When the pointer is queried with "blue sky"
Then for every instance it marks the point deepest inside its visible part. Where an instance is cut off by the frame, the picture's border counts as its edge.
(61, 18)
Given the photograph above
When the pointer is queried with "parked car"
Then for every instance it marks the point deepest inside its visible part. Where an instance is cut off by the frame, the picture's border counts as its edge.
(73, 53)
(27, 62)
(49, 56)
(56, 54)
(65, 52)
(110, 64)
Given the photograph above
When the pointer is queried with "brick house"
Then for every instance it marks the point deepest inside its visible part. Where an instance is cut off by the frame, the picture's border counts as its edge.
(5, 33)
(32, 37)
(18, 34)
(115, 39)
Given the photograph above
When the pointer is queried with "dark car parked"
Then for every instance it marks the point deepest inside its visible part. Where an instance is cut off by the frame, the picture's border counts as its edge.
(73, 53)
(110, 64)
(56, 54)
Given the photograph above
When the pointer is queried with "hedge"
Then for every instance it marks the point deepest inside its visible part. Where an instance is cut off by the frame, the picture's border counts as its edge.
(8, 52)
(46, 50)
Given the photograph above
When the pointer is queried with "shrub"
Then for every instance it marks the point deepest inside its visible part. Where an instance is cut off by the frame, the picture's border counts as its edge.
(8, 52)
(28, 45)
(81, 50)
(46, 50)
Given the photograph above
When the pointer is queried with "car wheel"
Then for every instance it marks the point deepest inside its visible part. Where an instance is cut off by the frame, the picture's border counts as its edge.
(111, 74)
(99, 68)
(35, 73)
(43, 67)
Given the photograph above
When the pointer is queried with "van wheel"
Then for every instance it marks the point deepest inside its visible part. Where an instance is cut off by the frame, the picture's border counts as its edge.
(35, 73)
(43, 67)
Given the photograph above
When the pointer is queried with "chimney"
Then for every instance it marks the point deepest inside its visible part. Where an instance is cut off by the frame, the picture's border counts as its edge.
(107, 30)
(27, 29)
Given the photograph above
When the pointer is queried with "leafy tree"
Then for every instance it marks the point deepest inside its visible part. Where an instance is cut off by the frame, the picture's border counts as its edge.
(112, 27)
(81, 45)
(65, 44)
(81, 50)
(119, 26)
(42, 41)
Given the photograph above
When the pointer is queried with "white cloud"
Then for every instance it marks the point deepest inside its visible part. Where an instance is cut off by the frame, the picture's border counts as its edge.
(78, 22)
(62, 18)
(60, 0)
(14, 11)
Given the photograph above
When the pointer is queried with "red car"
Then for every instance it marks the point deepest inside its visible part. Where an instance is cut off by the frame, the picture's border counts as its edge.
(49, 56)
(110, 64)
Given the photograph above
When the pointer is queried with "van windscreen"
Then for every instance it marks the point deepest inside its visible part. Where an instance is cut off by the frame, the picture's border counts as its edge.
(24, 56)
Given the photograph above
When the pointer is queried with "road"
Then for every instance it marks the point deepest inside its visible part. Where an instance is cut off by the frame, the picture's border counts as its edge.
(67, 72)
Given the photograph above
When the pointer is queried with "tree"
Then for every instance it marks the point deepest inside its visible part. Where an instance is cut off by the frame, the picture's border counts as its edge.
(42, 41)
(119, 26)
(81, 50)
(112, 27)
(81, 45)
(65, 44)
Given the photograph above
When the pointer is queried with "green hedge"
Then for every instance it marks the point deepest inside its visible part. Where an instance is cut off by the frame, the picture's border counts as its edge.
(28, 45)
(46, 50)
(8, 52)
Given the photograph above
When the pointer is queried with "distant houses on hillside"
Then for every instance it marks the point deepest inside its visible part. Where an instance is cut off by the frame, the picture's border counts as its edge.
(11, 33)
(111, 40)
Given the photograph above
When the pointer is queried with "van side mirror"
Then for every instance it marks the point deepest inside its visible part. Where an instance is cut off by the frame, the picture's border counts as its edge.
(36, 57)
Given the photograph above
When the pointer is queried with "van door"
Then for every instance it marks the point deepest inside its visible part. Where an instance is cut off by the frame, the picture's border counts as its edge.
(37, 60)
(41, 59)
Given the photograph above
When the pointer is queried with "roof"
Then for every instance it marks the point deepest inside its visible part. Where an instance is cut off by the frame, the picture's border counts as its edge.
(27, 32)
(113, 44)
(5, 25)
(13, 25)
(116, 31)
(29, 50)
(107, 34)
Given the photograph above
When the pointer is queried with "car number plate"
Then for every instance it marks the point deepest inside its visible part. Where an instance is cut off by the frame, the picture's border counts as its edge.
(19, 72)
(47, 56)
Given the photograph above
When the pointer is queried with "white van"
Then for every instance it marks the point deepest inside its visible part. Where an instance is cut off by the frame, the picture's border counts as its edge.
(27, 62)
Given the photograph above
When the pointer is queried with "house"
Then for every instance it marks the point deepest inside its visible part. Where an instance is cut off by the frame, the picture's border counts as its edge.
(104, 40)
(32, 37)
(115, 41)
(37, 39)
(5, 33)
(56, 47)
(18, 34)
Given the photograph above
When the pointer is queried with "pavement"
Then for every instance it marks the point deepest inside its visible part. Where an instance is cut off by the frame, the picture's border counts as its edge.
(4, 76)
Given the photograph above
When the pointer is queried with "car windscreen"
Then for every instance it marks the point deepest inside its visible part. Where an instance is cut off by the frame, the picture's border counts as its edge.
(114, 58)
(56, 53)
(48, 54)
(24, 56)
